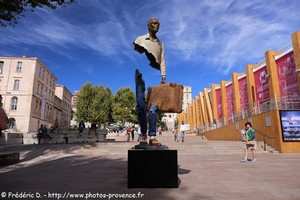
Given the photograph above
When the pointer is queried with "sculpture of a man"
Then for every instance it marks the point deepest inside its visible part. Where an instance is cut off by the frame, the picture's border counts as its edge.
(152, 47)
(154, 50)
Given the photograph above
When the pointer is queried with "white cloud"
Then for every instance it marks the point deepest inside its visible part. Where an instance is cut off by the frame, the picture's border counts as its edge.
(222, 33)
(229, 31)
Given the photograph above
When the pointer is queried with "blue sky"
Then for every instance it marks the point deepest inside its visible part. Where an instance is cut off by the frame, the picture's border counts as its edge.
(205, 40)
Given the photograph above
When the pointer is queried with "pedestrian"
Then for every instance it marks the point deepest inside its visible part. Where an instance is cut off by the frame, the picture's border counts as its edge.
(160, 131)
(132, 133)
(81, 127)
(139, 134)
(175, 132)
(128, 132)
(45, 133)
(93, 129)
(251, 143)
(182, 131)
(40, 134)
(244, 145)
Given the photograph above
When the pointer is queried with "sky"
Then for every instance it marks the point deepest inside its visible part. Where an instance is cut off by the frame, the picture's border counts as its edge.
(205, 40)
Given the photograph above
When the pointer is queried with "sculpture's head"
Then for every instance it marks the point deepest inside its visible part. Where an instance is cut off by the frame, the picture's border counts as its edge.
(153, 25)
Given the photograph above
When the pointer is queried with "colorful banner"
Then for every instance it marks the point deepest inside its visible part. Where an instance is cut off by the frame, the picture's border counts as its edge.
(243, 93)
(290, 125)
(219, 103)
(229, 98)
(287, 77)
(261, 85)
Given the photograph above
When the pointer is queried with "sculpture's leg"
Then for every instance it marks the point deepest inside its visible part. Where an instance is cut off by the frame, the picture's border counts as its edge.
(152, 117)
(141, 104)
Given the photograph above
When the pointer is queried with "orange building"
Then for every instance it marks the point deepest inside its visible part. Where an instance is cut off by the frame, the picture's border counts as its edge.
(268, 95)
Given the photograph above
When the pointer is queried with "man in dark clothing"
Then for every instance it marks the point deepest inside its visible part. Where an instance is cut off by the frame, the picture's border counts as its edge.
(40, 133)
(81, 127)
(132, 133)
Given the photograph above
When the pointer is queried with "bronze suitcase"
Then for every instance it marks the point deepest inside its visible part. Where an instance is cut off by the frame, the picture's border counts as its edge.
(167, 97)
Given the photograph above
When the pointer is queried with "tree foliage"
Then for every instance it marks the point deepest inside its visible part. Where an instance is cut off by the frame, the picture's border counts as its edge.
(10, 10)
(93, 104)
(123, 106)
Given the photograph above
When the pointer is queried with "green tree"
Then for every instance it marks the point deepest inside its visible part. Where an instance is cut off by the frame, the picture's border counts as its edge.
(10, 10)
(101, 105)
(84, 103)
(93, 104)
(123, 106)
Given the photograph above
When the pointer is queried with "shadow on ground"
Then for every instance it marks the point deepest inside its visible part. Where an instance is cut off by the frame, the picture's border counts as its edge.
(74, 173)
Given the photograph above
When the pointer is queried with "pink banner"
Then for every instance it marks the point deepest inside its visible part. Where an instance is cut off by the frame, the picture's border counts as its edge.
(229, 98)
(243, 93)
(261, 85)
(287, 77)
(219, 102)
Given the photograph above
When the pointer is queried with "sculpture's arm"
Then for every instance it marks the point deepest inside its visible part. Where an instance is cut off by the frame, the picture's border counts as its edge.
(163, 64)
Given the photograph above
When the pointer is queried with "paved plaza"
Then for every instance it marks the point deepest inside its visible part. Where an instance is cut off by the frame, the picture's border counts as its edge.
(208, 171)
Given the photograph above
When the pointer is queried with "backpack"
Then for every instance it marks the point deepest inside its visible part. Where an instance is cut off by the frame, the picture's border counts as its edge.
(250, 134)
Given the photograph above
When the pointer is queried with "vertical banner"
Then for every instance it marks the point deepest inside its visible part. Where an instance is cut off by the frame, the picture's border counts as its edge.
(243, 93)
(261, 85)
(229, 98)
(219, 103)
(287, 77)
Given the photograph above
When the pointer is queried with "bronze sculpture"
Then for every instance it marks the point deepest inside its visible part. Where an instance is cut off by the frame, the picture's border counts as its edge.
(153, 48)
(165, 97)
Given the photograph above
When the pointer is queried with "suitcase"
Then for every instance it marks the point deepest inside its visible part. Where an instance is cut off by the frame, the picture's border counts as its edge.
(167, 97)
(3, 120)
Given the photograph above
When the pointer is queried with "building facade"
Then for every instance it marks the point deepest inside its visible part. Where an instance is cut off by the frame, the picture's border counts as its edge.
(65, 97)
(266, 94)
(170, 118)
(74, 123)
(187, 97)
(28, 89)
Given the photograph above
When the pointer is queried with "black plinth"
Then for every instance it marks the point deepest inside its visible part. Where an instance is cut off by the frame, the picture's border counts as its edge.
(156, 168)
(9, 158)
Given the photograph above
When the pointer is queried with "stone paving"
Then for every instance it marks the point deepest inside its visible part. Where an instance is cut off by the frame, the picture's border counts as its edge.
(208, 171)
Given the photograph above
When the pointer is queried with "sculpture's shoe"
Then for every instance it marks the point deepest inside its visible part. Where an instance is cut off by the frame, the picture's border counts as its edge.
(154, 141)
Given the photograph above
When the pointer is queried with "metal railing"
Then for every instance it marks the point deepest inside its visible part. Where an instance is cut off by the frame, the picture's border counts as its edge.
(283, 103)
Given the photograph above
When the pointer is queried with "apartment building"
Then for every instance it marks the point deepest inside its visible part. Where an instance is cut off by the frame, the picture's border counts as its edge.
(28, 89)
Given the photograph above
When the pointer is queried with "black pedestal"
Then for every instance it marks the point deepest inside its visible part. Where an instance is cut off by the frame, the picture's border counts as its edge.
(152, 168)
(9, 158)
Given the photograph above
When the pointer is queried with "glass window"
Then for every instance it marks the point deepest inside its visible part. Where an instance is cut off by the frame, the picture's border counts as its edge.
(1, 67)
(16, 84)
(14, 103)
(19, 66)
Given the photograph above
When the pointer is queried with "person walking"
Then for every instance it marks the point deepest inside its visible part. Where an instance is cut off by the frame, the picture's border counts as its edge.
(128, 133)
(251, 140)
(45, 133)
(40, 133)
(81, 127)
(244, 145)
(175, 133)
(182, 131)
(132, 133)
(139, 134)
